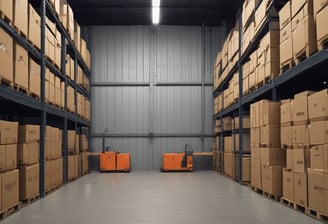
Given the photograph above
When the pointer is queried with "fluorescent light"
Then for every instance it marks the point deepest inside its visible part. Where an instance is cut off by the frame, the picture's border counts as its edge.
(156, 3)
(155, 12)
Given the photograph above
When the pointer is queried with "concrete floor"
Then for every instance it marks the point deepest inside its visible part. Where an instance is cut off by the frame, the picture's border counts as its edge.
(151, 197)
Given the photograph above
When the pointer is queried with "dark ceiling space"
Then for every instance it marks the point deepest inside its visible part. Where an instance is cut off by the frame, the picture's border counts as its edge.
(138, 12)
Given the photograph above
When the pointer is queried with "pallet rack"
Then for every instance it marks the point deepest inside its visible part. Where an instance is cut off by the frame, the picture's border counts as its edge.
(308, 74)
(19, 104)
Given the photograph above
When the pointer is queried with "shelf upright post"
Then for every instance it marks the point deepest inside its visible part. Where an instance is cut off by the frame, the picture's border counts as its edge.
(64, 132)
(274, 93)
(240, 102)
(43, 114)
(221, 133)
(75, 89)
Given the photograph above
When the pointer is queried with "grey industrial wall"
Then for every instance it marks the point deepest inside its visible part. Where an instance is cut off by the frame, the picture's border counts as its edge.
(152, 90)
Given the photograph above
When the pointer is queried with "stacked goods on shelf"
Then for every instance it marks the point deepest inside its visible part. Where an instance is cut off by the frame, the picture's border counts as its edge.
(318, 171)
(70, 67)
(84, 161)
(267, 157)
(21, 16)
(34, 27)
(53, 158)
(70, 99)
(28, 156)
(228, 156)
(6, 57)
(67, 18)
(34, 79)
(20, 67)
(297, 32)
(9, 174)
(73, 167)
(73, 158)
(303, 30)
(217, 70)
(320, 18)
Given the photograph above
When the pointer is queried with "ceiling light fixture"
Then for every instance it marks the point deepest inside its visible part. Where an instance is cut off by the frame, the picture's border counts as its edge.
(156, 11)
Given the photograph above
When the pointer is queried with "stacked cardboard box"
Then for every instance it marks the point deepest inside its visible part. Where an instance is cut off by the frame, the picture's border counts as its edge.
(21, 60)
(267, 159)
(6, 7)
(21, 16)
(318, 171)
(73, 167)
(286, 45)
(320, 17)
(83, 143)
(53, 156)
(9, 174)
(34, 27)
(6, 56)
(217, 70)
(28, 161)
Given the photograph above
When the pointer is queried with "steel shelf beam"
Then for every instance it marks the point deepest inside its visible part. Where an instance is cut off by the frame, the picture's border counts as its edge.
(150, 135)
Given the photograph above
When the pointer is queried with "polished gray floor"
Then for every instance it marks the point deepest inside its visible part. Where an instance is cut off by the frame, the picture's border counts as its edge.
(148, 197)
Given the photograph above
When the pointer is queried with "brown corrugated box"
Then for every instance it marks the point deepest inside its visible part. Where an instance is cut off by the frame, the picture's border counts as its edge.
(269, 113)
(28, 133)
(229, 166)
(28, 182)
(7, 8)
(28, 153)
(289, 159)
(228, 144)
(319, 132)
(255, 136)
(34, 77)
(21, 15)
(322, 29)
(6, 56)
(319, 157)
(317, 190)
(34, 27)
(286, 111)
(273, 156)
(270, 135)
(21, 66)
(256, 180)
(318, 105)
(58, 45)
(272, 179)
(301, 158)
(286, 47)
(301, 189)
(8, 160)
(246, 144)
(288, 184)
(286, 135)
(301, 135)
(318, 5)
(8, 132)
(246, 161)
(10, 189)
(248, 9)
(77, 36)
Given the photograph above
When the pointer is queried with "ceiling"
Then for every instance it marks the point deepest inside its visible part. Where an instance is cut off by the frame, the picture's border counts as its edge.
(138, 12)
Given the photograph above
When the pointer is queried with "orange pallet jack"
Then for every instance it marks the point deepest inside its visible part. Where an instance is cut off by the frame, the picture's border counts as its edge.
(178, 161)
(111, 161)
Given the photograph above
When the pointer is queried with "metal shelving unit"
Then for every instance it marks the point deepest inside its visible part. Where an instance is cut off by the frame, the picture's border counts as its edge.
(298, 77)
(22, 104)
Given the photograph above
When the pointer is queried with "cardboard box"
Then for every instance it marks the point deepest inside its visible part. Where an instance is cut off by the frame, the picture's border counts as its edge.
(296, 6)
(58, 44)
(269, 113)
(318, 105)
(286, 45)
(300, 108)
(301, 189)
(318, 5)
(228, 144)
(272, 179)
(59, 171)
(229, 165)
(270, 135)
(246, 122)
(34, 27)
(34, 77)
(8, 132)
(246, 168)
(317, 190)
(29, 182)
(248, 36)
(246, 145)
(71, 139)
(322, 30)
(286, 136)
(21, 66)
(28, 153)
(285, 15)
(303, 31)
(11, 157)
(7, 8)
(10, 189)
(319, 157)
(227, 124)
(301, 158)
(286, 111)
(47, 174)
(273, 156)
(260, 14)
(255, 115)
(77, 36)
(6, 55)
(21, 15)
(301, 135)
(288, 184)
(255, 136)
(50, 44)
(256, 180)
(248, 9)
(289, 159)
(319, 132)
(28, 133)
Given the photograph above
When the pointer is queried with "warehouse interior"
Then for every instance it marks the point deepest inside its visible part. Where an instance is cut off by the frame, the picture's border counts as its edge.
(162, 111)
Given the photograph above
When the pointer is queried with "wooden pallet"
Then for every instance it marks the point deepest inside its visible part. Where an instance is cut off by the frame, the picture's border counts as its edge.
(317, 215)
(73, 179)
(286, 146)
(6, 82)
(20, 32)
(271, 196)
(323, 44)
(302, 55)
(257, 190)
(286, 65)
(287, 202)
(21, 89)
(34, 95)
(294, 205)
(53, 189)
(7, 212)
(28, 201)
(6, 19)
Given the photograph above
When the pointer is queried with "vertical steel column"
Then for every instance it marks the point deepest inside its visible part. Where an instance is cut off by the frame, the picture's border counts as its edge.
(202, 131)
(221, 131)
(64, 132)
(43, 114)
(274, 93)
(240, 103)
(152, 78)
(75, 90)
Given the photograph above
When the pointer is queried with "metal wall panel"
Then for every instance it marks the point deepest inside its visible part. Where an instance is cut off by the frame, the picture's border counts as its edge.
(134, 54)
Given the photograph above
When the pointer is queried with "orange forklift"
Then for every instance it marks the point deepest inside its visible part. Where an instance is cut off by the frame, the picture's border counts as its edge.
(178, 161)
(111, 161)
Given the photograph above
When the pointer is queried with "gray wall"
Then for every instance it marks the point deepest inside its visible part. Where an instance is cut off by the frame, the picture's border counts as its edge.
(155, 58)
